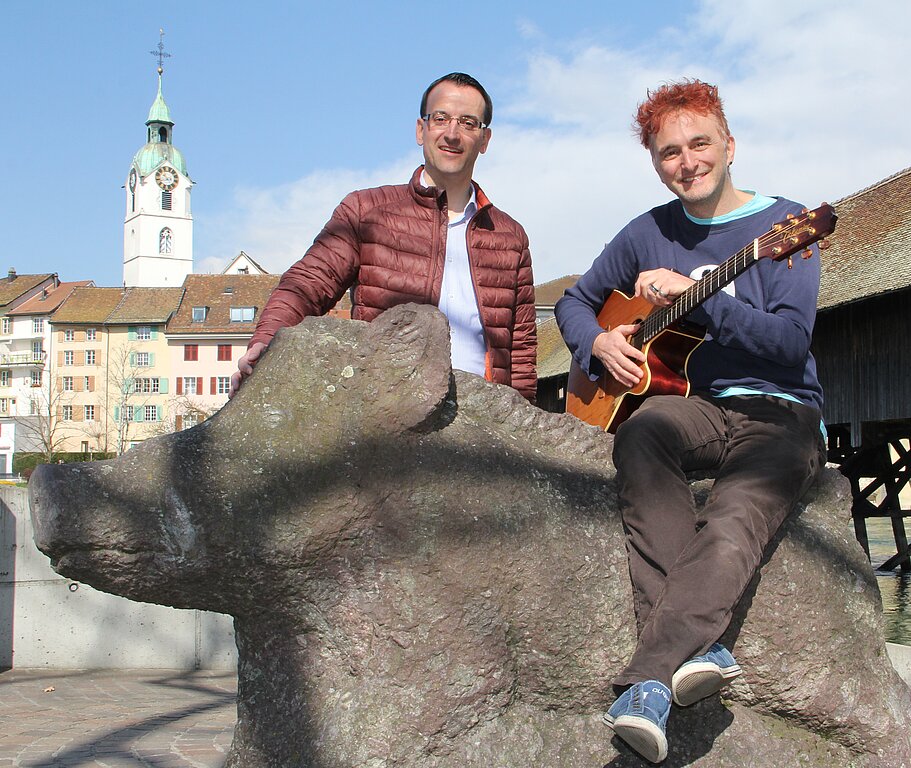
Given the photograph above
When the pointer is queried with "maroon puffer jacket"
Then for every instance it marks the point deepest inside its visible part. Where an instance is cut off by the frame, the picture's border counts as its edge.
(389, 243)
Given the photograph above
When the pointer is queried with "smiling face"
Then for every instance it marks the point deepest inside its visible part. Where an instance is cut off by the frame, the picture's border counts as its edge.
(691, 153)
(450, 153)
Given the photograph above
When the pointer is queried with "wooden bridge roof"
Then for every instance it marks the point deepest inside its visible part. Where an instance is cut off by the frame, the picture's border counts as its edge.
(870, 250)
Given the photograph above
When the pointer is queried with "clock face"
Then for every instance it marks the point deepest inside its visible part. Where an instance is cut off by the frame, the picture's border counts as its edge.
(132, 179)
(166, 178)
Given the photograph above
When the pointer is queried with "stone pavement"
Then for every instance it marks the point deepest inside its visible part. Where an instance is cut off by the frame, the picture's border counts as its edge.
(116, 718)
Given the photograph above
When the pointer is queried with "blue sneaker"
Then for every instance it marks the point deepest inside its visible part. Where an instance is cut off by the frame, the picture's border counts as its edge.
(639, 717)
(704, 675)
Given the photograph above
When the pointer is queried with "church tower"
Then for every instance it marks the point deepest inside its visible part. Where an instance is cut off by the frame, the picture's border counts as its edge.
(158, 228)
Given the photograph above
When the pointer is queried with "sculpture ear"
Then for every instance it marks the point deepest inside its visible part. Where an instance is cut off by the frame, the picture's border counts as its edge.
(408, 366)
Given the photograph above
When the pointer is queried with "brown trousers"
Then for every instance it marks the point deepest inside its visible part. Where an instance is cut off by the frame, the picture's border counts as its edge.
(689, 570)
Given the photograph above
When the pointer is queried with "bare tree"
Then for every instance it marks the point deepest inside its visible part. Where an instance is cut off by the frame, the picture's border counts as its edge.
(129, 387)
(43, 426)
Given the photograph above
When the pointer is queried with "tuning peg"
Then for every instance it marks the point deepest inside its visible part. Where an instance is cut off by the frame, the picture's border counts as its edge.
(806, 254)
(790, 216)
(790, 262)
(824, 245)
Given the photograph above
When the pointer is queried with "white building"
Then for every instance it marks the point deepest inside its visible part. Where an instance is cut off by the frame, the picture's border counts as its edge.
(158, 227)
(26, 303)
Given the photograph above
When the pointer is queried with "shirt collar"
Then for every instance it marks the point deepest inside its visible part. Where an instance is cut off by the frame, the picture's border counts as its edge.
(470, 209)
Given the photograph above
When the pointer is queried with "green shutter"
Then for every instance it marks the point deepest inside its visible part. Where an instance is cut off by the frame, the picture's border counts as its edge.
(163, 385)
(158, 410)
(154, 332)
(131, 332)
(151, 359)
(116, 413)
(132, 359)
(137, 413)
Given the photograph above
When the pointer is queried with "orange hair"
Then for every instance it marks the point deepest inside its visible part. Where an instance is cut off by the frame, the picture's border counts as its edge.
(672, 98)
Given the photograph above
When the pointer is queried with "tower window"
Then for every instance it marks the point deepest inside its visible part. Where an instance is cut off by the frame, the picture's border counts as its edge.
(163, 134)
(165, 200)
(164, 237)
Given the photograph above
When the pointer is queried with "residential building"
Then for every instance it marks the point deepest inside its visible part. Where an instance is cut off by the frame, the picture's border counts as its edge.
(31, 407)
(23, 345)
(242, 264)
(207, 335)
(111, 342)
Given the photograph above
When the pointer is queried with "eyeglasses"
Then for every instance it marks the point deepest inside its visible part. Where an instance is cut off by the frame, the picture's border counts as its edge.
(440, 121)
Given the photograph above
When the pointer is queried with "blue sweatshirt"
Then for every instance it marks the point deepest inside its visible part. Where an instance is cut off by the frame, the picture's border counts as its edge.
(758, 329)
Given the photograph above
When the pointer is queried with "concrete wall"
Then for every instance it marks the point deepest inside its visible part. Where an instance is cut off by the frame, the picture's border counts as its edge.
(53, 623)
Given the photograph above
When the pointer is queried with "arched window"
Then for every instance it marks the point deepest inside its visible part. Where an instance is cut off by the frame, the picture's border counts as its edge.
(164, 240)
(163, 135)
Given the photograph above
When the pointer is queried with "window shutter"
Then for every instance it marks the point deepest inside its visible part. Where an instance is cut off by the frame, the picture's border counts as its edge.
(154, 332)
(80, 335)
(132, 359)
(151, 359)
(158, 410)
(178, 423)
(179, 385)
(116, 413)
(79, 384)
(199, 385)
(60, 359)
(163, 386)
(91, 383)
(131, 332)
(138, 414)
(80, 357)
(213, 384)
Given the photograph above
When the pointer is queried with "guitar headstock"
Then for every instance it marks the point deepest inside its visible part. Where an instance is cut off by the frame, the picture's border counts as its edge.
(797, 233)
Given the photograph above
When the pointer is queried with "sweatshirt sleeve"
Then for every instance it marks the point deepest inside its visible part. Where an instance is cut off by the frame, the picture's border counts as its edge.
(780, 330)
(314, 284)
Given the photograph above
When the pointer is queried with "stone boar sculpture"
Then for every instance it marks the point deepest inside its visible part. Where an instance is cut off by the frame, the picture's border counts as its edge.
(425, 570)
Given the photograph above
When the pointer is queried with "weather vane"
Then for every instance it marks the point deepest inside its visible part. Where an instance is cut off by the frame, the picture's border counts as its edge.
(160, 53)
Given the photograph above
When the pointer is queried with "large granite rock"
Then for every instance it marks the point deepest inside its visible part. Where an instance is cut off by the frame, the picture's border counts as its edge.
(425, 570)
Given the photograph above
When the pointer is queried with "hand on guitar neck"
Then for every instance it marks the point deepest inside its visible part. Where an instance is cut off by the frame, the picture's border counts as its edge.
(621, 359)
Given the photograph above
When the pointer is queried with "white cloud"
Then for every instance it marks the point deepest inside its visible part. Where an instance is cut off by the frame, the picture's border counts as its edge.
(815, 95)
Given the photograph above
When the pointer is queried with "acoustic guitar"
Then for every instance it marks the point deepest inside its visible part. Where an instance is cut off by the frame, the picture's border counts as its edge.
(666, 337)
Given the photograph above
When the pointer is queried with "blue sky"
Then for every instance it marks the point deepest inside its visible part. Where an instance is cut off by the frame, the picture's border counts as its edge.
(281, 108)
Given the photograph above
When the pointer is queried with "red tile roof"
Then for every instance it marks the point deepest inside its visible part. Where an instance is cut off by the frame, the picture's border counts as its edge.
(47, 301)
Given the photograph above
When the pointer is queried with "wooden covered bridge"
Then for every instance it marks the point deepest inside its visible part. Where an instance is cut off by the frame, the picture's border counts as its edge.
(862, 345)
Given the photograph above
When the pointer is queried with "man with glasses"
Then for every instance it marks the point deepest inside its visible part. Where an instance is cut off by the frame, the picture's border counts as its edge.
(436, 240)
(752, 418)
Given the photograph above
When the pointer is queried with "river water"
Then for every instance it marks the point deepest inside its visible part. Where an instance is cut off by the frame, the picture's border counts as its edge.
(895, 586)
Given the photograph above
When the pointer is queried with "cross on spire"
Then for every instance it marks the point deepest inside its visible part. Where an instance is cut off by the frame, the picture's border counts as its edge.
(160, 53)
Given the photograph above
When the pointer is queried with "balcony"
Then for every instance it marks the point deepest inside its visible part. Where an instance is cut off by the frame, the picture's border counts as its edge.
(13, 359)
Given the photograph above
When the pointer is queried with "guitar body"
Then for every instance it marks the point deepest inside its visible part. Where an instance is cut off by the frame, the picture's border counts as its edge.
(666, 338)
(605, 402)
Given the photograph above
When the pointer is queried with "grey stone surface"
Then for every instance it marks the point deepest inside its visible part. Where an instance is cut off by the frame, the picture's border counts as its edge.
(425, 570)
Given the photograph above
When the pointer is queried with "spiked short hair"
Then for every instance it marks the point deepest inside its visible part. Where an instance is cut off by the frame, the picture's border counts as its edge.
(672, 98)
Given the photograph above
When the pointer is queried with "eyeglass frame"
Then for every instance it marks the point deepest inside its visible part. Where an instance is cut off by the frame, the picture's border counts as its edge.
(481, 125)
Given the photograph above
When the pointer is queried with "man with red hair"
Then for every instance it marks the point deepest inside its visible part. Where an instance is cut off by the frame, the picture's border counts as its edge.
(751, 419)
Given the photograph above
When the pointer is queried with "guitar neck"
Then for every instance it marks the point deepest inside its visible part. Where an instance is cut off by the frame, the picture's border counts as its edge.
(699, 292)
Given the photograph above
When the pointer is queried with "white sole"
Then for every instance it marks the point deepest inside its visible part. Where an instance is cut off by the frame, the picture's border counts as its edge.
(642, 735)
(694, 682)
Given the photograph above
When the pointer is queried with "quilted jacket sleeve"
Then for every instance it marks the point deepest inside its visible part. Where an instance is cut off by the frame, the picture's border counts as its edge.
(524, 337)
(314, 284)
